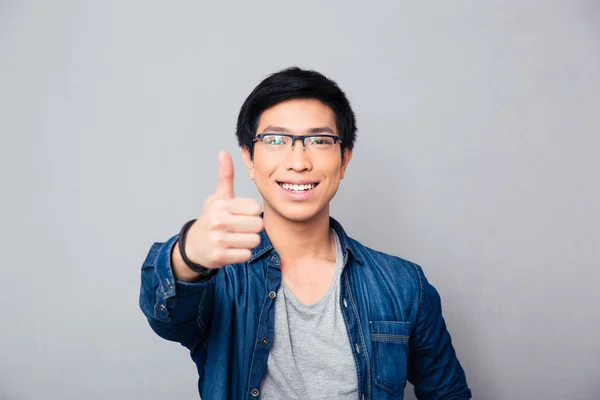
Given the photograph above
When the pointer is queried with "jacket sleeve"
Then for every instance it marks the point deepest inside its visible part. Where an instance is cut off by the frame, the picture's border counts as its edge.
(176, 311)
(433, 367)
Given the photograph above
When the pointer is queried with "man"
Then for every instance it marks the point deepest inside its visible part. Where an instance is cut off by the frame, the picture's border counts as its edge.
(283, 304)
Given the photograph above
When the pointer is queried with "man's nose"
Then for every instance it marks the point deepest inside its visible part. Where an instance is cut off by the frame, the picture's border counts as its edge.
(301, 140)
(298, 159)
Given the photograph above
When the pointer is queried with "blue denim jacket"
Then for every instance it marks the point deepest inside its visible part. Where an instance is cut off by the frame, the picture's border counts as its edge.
(393, 317)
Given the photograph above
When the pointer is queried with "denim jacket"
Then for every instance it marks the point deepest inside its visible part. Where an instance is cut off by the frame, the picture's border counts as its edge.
(393, 318)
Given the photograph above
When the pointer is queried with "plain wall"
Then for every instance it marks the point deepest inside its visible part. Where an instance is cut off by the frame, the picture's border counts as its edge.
(477, 157)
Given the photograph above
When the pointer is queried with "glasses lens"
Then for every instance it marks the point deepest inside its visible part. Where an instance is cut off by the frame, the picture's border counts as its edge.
(276, 142)
(320, 142)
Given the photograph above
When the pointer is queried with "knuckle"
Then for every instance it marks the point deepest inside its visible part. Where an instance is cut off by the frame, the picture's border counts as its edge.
(217, 237)
(217, 221)
(220, 204)
(218, 255)
(249, 206)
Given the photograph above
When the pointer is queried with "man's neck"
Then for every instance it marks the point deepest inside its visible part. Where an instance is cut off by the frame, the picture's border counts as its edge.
(297, 241)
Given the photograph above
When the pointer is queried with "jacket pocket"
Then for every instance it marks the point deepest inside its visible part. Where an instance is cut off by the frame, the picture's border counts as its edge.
(389, 343)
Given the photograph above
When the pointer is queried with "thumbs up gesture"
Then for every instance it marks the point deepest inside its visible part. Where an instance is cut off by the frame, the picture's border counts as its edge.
(228, 226)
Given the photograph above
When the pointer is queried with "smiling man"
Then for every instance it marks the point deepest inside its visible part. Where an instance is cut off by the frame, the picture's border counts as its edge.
(282, 304)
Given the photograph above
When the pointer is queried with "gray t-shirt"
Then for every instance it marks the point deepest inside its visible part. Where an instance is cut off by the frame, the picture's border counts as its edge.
(311, 356)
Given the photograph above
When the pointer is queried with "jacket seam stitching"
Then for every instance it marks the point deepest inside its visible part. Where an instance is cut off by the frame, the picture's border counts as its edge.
(354, 355)
(354, 309)
(379, 337)
(200, 311)
(254, 341)
(420, 290)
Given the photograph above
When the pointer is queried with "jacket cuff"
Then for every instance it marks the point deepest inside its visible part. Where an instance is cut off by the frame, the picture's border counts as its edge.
(170, 297)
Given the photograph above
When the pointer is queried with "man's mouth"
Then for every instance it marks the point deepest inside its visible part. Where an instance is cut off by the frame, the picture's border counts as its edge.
(292, 187)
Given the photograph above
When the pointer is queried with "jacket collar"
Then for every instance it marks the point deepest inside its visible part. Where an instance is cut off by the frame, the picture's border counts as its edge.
(348, 245)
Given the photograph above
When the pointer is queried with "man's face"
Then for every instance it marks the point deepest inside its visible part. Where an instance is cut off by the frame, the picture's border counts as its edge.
(316, 170)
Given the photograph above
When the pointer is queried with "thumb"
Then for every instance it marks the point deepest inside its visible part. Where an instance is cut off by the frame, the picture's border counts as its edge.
(225, 185)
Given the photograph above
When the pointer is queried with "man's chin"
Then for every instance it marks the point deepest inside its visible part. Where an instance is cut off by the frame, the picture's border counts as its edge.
(300, 213)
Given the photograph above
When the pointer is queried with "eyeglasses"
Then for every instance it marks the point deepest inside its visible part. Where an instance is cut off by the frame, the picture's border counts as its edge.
(283, 142)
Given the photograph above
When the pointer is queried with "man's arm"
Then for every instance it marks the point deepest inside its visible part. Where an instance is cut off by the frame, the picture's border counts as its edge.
(179, 306)
(433, 367)
(176, 310)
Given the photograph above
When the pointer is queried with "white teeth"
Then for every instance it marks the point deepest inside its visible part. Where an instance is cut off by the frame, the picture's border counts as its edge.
(297, 188)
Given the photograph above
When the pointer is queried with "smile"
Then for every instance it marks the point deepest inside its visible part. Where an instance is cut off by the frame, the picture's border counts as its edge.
(297, 188)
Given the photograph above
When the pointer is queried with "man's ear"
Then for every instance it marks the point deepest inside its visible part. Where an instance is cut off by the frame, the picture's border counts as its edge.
(347, 156)
(248, 161)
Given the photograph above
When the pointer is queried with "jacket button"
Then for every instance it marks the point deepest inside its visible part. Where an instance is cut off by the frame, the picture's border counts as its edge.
(345, 303)
(357, 348)
(255, 392)
(274, 258)
(272, 295)
(264, 341)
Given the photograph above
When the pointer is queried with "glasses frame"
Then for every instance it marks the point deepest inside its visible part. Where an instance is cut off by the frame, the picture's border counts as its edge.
(296, 137)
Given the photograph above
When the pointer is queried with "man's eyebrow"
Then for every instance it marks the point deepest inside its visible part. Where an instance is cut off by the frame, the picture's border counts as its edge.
(281, 129)
(273, 128)
(323, 129)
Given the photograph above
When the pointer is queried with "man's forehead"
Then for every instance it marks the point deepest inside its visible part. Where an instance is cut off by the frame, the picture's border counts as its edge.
(313, 130)
(298, 116)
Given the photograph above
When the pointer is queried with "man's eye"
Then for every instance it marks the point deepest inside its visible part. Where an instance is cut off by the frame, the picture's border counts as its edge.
(274, 140)
(322, 141)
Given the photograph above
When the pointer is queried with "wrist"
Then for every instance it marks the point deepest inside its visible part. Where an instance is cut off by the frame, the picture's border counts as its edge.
(200, 270)
(181, 272)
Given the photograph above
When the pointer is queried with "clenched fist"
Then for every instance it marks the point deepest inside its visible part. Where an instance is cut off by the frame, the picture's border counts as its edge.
(228, 226)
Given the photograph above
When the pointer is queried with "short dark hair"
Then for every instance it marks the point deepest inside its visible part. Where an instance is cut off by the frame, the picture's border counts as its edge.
(295, 83)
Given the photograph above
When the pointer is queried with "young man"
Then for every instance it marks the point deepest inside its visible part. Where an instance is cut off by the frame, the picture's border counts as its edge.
(283, 304)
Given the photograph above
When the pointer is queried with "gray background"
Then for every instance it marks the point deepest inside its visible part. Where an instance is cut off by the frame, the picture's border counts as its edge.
(477, 157)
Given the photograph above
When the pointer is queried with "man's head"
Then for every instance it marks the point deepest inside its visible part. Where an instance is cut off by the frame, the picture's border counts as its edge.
(300, 103)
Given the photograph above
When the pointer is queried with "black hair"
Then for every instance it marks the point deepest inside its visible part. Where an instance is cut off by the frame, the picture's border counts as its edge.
(295, 83)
